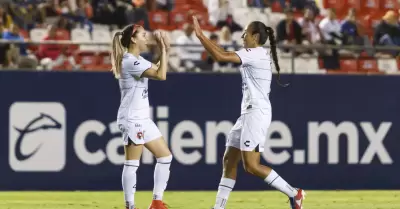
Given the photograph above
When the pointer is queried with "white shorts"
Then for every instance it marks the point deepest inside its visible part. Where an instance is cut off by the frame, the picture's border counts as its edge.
(139, 131)
(250, 131)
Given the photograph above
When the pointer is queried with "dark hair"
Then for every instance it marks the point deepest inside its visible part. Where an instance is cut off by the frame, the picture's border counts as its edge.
(121, 40)
(264, 32)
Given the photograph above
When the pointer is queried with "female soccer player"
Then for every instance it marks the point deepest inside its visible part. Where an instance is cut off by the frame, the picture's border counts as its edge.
(138, 130)
(246, 139)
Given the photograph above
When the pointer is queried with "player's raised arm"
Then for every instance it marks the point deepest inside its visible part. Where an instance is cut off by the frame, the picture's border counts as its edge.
(159, 71)
(215, 51)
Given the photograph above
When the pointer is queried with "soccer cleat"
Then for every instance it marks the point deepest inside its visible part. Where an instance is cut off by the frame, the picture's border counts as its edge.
(158, 204)
(296, 202)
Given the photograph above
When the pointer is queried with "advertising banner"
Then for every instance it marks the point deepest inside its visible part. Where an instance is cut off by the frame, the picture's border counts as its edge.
(58, 131)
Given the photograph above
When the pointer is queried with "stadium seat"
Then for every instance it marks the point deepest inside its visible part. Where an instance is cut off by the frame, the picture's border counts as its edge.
(369, 6)
(389, 5)
(38, 34)
(285, 62)
(368, 65)
(66, 66)
(63, 34)
(306, 65)
(387, 65)
(87, 59)
(104, 61)
(349, 65)
(102, 36)
(158, 18)
(337, 5)
(82, 35)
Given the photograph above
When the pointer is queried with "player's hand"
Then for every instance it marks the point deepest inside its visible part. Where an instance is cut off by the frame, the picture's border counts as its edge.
(166, 41)
(196, 26)
(159, 39)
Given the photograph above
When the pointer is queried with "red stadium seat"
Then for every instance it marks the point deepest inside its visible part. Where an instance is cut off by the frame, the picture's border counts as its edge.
(66, 66)
(104, 61)
(87, 59)
(158, 18)
(63, 34)
(349, 65)
(178, 17)
(337, 5)
(389, 5)
(356, 4)
(368, 65)
(369, 6)
(276, 7)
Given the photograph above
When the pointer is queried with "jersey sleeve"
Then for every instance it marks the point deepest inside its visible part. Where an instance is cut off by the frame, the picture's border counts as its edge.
(244, 55)
(137, 67)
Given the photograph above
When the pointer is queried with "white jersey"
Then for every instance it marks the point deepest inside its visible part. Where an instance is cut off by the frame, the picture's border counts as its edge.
(256, 72)
(134, 90)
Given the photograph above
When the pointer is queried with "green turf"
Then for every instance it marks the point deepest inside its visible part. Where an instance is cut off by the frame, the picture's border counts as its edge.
(200, 200)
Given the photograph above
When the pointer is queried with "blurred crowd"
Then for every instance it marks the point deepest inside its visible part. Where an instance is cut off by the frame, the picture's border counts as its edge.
(301, 22)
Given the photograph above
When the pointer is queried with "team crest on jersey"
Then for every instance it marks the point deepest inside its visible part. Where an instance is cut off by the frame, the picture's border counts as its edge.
(145, 93)
(140, 135)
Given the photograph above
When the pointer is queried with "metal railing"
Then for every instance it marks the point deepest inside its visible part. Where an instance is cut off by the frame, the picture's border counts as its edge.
(292, 48)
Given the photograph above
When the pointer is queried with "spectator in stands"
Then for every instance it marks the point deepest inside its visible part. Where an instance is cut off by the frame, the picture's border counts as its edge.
(189, 55)
(387, 33)
(138, 15)
(3, 47)
(349, 29)
(49, 8)
(27, 16)
(55, 54)
(164, 4)
(289, 31)
(84, 9)
(311, 31)
(218, 11)
(212, 65)
(14, 55)
(225, 40)
(110, 13)
(232, 25)
(80, 14)
(330, 28)
(14, 35)
(5, 18)
(65, 23)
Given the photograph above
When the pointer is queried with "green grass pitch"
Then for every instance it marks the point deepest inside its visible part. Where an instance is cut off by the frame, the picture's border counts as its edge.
(201, 200)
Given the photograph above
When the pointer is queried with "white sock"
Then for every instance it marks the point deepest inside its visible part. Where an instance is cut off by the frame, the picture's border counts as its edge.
(161, 176)
(129, 182)
(224, 189)
(274, 180)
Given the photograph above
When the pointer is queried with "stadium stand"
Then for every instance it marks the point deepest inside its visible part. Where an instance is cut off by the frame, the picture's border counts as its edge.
(366, 24)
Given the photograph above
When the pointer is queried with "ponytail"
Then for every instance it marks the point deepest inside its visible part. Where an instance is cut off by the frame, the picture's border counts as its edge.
(272, 41)
(117, 54)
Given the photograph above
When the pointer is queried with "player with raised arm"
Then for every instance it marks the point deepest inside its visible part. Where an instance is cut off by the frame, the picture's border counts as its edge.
(246, 139)
(138, 130)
